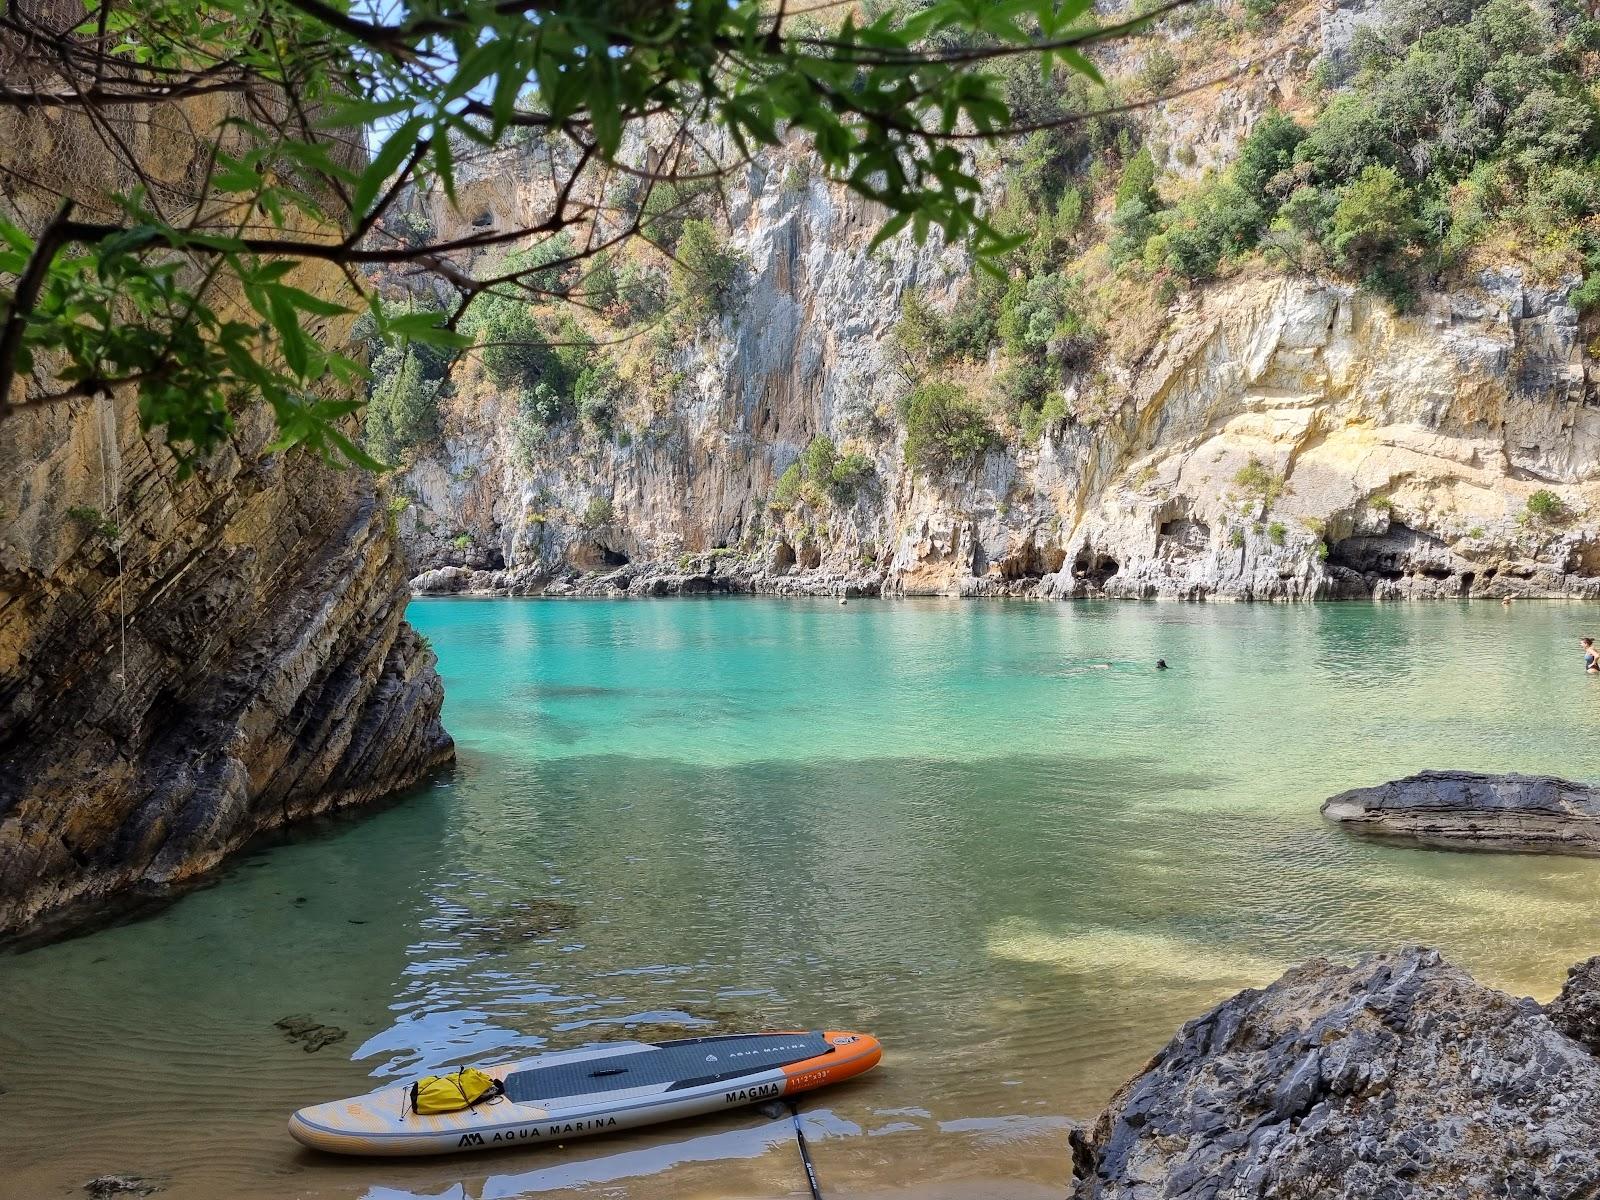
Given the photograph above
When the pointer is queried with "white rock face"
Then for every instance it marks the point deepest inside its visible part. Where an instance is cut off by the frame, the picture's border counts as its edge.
(1279, 438)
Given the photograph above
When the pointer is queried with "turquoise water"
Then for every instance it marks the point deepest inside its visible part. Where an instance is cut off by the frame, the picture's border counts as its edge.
(990, 833)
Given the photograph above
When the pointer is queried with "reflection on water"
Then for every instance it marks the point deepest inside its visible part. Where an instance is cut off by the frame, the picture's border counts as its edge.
(992, 834)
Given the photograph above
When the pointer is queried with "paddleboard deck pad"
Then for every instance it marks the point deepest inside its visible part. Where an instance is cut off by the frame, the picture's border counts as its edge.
(577, 1093)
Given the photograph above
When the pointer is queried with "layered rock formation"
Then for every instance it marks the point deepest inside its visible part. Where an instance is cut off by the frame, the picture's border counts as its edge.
(1465, 810)
(1398, 1077)
(184, 662)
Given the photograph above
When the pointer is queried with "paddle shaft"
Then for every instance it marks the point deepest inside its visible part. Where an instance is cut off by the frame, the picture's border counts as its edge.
(805, 1152)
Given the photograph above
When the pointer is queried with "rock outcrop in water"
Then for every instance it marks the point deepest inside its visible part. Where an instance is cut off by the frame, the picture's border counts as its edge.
(1467, 810)
(1399, 1077)
(184, 662)
(231, 658)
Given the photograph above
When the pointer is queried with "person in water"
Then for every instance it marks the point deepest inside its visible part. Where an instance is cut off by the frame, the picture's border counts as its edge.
(1161, 664)
(1591, 657)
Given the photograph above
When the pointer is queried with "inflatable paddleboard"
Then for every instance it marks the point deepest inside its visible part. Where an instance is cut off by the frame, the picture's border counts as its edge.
(577, 1093)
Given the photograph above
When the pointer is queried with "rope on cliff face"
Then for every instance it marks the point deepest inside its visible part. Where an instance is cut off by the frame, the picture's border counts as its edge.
(111, 480)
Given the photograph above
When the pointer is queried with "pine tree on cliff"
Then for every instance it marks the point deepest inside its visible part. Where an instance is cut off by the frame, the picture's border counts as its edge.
(305, 121)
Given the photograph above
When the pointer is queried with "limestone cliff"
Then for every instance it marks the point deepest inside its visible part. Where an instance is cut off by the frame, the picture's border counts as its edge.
(184, 662)
(1400, 452)
(1382, 454)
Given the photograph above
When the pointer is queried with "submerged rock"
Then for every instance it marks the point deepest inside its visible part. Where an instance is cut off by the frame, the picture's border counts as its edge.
(310, 1033)
(1467, 810)
(102, 1187)
(524, 920)
(1398, 1077)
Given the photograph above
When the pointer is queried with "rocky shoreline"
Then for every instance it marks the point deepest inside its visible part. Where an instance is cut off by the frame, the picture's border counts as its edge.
(1465, 810)
(716, 574)
(1399, 1077)
(705, 577)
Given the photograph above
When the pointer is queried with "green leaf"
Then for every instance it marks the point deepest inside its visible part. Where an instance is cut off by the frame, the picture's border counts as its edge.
(345, 113)
(353, 452)
(385, 163)
(309, 303)
(1080, 63)
(16, 237)
(292, 339)
(890, 227)
(425, 329)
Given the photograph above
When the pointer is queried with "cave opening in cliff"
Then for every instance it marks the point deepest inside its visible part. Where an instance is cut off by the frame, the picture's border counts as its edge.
(1095, 568)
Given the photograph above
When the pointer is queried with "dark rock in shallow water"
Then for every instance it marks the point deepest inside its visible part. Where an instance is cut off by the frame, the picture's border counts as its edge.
(1468, 811)
(102, 1187)
(1399, 1077)
(310, 1033)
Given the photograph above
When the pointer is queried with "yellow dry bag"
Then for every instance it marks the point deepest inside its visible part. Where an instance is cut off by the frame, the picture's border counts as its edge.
(452, 1093)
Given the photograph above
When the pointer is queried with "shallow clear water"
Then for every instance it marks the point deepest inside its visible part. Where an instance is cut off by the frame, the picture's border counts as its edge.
(990, 833)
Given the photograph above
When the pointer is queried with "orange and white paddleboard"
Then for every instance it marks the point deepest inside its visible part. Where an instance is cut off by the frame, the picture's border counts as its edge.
(576, 1093)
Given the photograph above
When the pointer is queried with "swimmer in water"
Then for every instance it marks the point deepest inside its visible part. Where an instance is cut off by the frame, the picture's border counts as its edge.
(1591, 657)
(1161, 664)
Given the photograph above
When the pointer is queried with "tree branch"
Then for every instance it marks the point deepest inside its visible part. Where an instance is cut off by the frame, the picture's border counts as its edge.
(51, 239)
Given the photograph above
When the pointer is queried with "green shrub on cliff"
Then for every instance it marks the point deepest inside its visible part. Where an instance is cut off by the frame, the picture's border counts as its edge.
(597, 514)
(1216, 224)
(705, 272)
(1260, 480)
(1373, 220)
(671, 206)
(597, 393)
(944, 428)
(1035, 312)
(786, 492)
(920, 337)
(1134, 218)
(403, 411)
(924, 338)
(821, 475)
(817, 460)
(95, 522)
(1546, 508)
(1138, 179)
(828, 473)
(850, 474)
(1036, 419)
(641, 294)
(1457, 119)
(514, 346)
